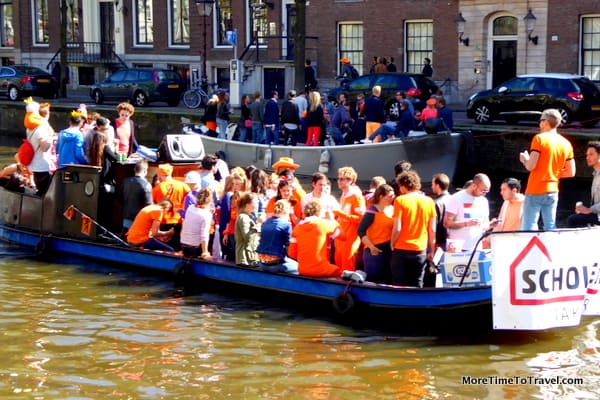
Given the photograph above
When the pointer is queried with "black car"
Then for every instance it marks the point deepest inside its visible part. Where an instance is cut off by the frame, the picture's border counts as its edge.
(390, 83)
(526, 96)
(140, 87)
(17, 81)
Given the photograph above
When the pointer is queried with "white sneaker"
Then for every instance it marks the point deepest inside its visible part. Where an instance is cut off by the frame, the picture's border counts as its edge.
(366, 141)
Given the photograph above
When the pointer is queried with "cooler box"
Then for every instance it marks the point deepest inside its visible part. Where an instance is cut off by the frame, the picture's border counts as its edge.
(453, 266)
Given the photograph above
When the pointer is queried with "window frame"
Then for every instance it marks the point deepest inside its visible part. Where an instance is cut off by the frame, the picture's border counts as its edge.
(218, 34)
(356, 54)
(591, 69)
(172, 25)
(7, 23)
(38, 19)
(413, 58)
(149, 25)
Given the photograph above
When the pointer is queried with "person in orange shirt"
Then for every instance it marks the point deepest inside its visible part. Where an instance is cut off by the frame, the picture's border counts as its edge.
(352, 208)
(309, 244)
(413, 231)
(549, 159)
(375, 231)
(284, 192)
(170, 188)
(175, 191)
(145, 231)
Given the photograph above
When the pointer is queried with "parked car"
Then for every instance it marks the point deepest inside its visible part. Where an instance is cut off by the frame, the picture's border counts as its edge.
(526, 96)
(17, 81)
(390, 83)
(140, 87)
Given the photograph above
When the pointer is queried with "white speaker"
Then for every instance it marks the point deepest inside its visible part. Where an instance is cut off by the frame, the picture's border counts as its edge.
(181, 148)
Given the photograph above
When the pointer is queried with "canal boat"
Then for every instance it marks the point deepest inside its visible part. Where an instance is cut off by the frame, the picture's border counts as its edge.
(65, 221)
(429, 154)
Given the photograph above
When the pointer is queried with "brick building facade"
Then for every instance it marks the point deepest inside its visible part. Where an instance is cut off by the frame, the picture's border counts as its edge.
(170, 34)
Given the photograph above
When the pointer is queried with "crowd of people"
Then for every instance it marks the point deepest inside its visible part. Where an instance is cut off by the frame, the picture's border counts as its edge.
(255, 219)
(88, 139)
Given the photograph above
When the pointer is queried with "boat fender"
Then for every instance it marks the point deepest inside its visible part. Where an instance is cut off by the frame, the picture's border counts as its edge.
(324, 161)
(41, 248)
(268, 158)
(343, 302)
(182, 269)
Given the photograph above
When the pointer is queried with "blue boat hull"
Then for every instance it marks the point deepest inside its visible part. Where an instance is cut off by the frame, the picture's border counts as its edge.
(367, 294)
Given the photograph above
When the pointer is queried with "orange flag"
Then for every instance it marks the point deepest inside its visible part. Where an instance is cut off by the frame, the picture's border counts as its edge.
(86, 225)
(69, 213)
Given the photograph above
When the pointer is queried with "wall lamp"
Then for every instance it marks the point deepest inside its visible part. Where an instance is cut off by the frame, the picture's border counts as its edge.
(529, 27)
(460, 29)
(123, 8)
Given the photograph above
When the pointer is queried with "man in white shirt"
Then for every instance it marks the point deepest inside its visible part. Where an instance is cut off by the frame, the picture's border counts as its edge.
(467, 213)
(322, 192)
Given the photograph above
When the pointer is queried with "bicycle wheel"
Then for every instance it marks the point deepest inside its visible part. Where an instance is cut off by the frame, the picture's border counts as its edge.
(191, 99)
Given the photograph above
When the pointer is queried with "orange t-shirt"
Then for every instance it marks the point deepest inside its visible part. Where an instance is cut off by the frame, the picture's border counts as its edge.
(142, 224)
(309, 245)
(415, 211)
(297, 208)
(554, 152)
(173, 190)
(380, 231)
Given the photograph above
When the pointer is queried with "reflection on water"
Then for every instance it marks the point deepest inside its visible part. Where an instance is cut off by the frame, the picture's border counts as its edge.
(78, 330)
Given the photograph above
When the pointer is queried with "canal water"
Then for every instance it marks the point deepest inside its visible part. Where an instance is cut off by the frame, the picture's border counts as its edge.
(73, 329)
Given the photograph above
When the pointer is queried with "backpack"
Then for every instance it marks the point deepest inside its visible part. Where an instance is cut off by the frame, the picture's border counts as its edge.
(353, 72)
(25, 153)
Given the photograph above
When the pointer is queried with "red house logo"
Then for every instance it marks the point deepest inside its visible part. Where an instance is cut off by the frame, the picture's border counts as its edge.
(541, 282)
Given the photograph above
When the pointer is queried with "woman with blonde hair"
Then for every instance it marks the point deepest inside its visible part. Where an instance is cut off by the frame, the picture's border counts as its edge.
(275, 235)
(314, 119)
(236, 185)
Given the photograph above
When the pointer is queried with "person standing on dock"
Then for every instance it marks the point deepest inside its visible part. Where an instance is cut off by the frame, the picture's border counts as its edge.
(549, 159)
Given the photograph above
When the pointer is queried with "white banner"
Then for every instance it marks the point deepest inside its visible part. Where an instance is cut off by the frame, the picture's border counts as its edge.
(546, 279)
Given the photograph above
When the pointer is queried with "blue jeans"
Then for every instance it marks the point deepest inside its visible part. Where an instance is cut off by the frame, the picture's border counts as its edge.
(336, 135)
(257, 132)
(222, 124)
(272, 134)
(378, 267)
(155, 244)
(243, 132)
(384, 131)
(536, 204)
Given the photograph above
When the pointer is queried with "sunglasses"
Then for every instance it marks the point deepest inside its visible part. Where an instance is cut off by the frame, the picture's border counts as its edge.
(124, 115)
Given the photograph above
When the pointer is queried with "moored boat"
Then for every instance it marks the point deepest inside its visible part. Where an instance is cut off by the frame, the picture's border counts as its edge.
(429, 155)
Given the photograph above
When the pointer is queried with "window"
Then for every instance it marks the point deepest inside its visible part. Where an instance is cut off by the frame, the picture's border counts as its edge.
(40, 21)
(350, 44)
(259, 26)
(180, 22)
(7, 38)
(419, 44)
(590, 47)
(505, 26)
(144, 33)
(73, 22)
(224, 21)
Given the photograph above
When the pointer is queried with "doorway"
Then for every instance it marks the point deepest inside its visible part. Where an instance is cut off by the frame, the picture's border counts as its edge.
(274, 79)
(107, 29)
(504, 61)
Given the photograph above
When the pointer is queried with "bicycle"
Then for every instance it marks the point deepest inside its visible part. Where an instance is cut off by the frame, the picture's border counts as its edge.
(196, 97)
